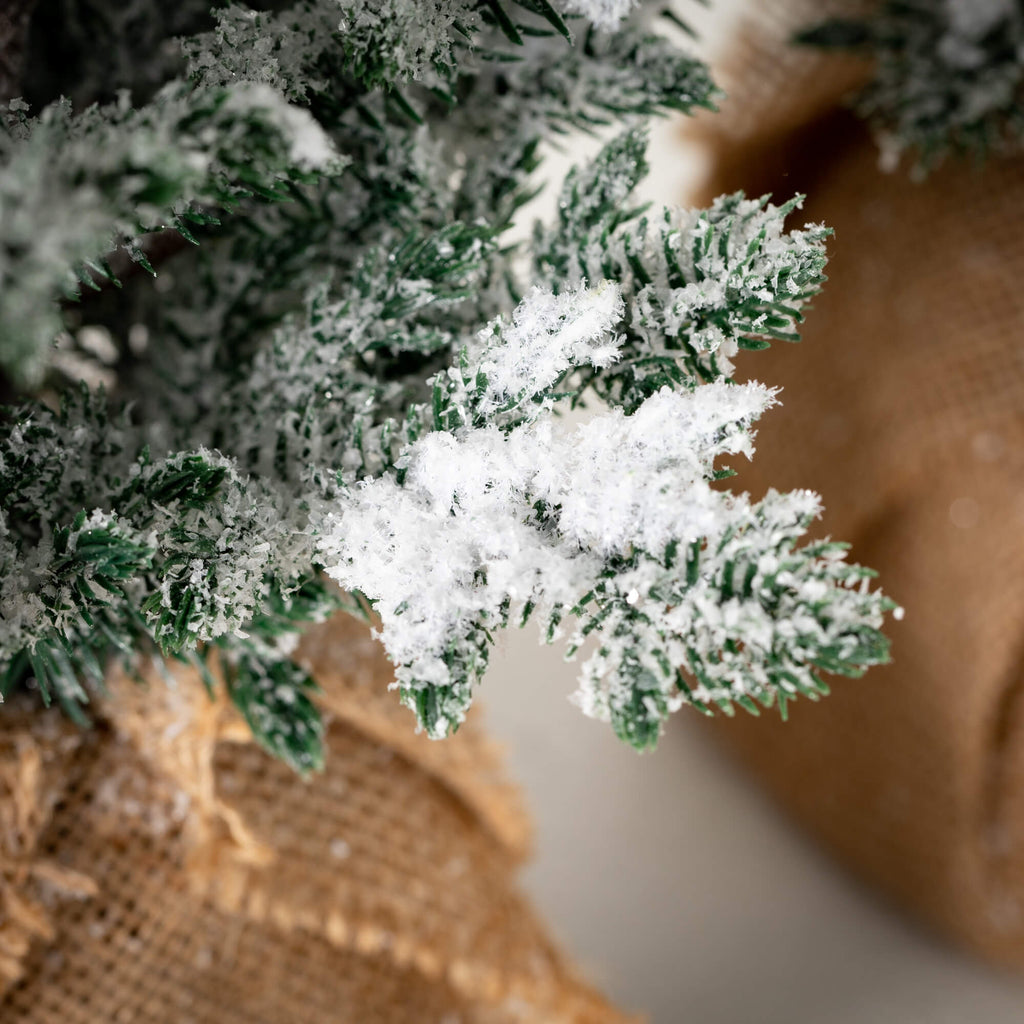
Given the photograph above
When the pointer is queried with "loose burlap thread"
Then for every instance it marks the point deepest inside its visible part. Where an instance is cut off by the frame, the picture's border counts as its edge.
(904, 408)
(160, 868)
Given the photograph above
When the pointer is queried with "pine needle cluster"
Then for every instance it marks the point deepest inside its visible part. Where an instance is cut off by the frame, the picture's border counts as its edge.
(347, 372)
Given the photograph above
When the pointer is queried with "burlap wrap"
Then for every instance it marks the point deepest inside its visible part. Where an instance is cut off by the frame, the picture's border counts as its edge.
(161, 869)
(904, 408)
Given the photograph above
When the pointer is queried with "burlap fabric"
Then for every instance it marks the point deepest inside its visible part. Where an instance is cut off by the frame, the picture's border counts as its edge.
(161, 869)
(904, 407)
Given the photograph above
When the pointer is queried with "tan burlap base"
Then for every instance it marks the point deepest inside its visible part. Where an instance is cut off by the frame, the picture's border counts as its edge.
(904, 408)
(161, 869)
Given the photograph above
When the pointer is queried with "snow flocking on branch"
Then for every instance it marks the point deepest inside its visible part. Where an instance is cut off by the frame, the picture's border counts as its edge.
(491, 524)
(458, 538)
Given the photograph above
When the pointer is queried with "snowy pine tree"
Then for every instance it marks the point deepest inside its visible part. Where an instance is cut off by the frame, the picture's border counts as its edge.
(333, 365)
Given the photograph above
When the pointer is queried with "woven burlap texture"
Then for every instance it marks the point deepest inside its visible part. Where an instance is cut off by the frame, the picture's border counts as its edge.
(904, 408)
(160, 868)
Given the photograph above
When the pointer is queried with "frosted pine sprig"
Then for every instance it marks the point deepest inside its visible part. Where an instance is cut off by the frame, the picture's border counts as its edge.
(694, 595)
(699, 285)
(948, 77)
(74, 189)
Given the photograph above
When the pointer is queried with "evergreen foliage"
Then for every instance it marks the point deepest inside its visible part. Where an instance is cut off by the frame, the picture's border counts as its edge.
(125, 172)
(353, 374)
(949, 76)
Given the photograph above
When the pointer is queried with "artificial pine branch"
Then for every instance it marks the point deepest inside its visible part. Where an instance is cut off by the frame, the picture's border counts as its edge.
(360, 379)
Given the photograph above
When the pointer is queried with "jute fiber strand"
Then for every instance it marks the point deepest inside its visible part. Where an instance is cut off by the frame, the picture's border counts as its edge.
(160, 868)
(904, 408)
